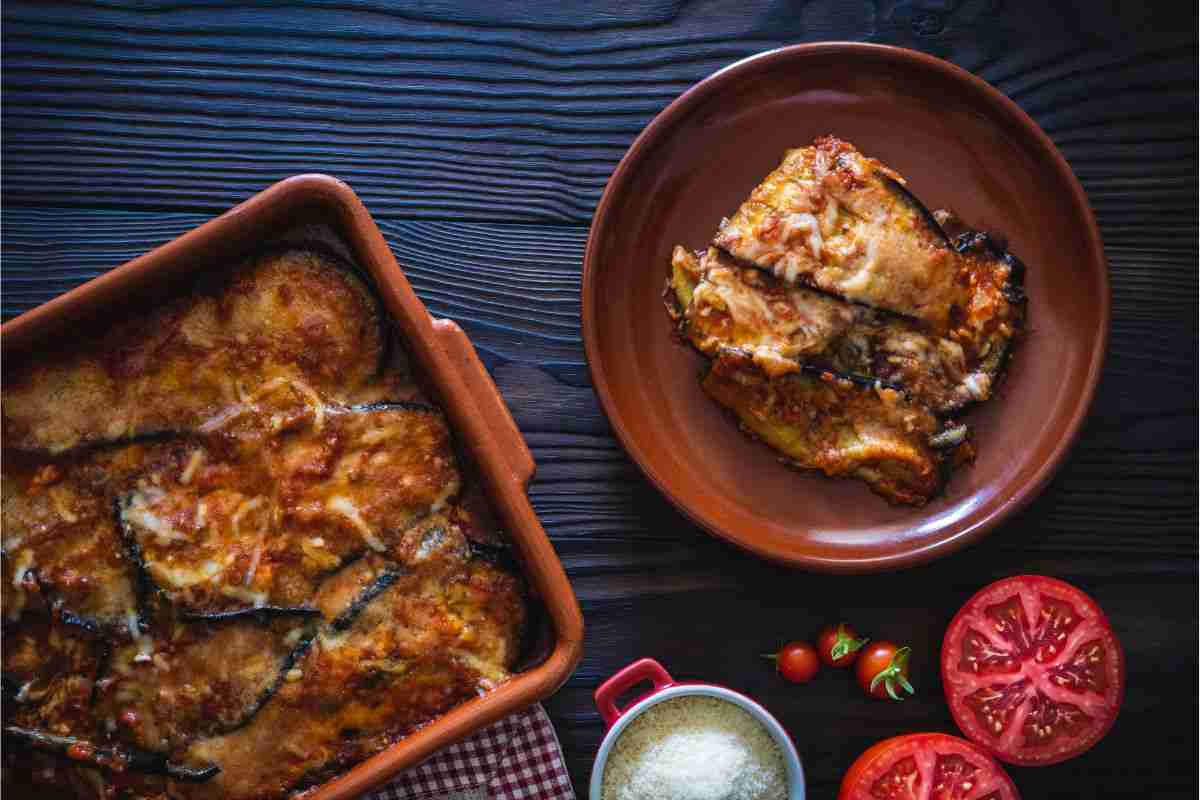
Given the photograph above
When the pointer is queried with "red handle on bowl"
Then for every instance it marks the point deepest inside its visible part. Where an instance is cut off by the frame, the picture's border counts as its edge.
(647, 669)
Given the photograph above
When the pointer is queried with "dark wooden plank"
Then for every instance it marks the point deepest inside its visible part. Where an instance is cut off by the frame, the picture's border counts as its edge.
(437, 112)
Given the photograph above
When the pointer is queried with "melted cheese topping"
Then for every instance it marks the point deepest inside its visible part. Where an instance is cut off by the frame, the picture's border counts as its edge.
(182, 577)
(345, 506)
(776, 326)
(59, 496)
(885, 255)
(138, 511)
(794, 223)
(189, 471)
(306, 391)
(257, 599)
(246, 507)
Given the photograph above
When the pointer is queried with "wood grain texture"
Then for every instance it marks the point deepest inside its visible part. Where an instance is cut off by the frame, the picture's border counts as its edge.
(453, 115)
(481, 135)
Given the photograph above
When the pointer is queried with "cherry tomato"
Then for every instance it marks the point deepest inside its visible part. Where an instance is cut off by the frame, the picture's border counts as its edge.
(926, 765)
(796, 661)
(1032, 670)
(838, 645)
(882, 670)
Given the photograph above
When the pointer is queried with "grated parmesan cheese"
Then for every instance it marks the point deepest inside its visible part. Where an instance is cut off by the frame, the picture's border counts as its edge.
(259, 599)
(246, 507)
(695, 748)
(138, 512)
(345, 506)
(193, 464)
(226, 415)
(302, 388)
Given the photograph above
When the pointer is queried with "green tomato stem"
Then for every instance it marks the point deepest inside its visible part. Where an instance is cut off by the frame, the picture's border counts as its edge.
(893, 674)
(844, 645)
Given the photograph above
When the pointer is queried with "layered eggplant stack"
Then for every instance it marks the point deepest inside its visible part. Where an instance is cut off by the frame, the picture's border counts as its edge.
(240, 552)
(847, 326)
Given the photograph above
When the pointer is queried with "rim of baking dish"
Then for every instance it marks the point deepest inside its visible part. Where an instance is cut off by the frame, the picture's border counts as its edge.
(505, 475)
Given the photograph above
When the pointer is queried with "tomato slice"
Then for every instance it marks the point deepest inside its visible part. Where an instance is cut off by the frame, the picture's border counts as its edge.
(927, 766)
(1032, 670)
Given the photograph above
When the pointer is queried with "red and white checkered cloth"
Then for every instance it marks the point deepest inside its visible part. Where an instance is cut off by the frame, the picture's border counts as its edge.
(518, 758)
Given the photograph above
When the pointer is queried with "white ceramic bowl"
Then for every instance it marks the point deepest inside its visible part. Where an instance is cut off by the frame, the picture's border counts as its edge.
(665, 687)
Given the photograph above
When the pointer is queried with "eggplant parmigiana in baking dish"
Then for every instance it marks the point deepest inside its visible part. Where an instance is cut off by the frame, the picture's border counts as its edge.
(846, 324)
(240, 552)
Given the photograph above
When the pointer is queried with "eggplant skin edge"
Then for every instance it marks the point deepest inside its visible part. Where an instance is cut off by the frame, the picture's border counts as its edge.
(116, 757)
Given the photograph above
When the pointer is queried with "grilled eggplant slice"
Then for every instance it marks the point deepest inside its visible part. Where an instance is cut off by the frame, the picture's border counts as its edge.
(49, 674)
(50, 670)
(195, 680)
(832, 219)
(61, 546)
(780, 327)
(292, 326)
(444, 630)
(226, 531)
(835, 425)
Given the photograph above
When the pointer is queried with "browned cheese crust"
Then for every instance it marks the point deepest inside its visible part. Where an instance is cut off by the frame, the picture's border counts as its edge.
(264, 520)
(194, 680)
(833, 219)
(291, 325)
(443, 632)
(62, 547)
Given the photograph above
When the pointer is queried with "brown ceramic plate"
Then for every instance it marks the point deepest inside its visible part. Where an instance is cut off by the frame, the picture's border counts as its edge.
(319, 207)
(962, 145)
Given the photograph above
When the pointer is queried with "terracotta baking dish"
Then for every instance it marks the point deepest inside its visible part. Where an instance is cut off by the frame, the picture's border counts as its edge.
(309, 207)
(962, 145)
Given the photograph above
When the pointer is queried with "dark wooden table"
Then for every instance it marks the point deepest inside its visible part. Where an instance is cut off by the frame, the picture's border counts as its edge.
(481, 135)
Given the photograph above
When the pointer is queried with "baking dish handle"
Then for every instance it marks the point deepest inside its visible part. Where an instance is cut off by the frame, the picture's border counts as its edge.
(646, 669)
(487, 399)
